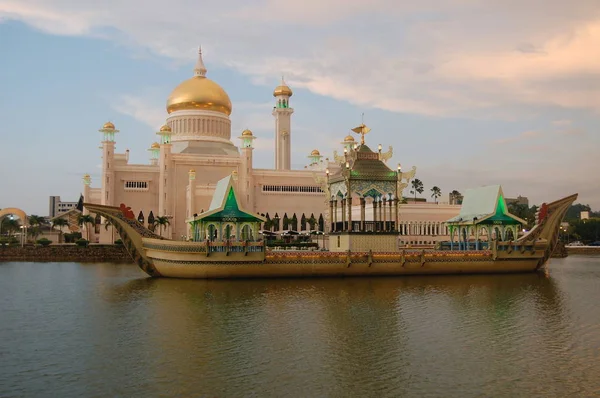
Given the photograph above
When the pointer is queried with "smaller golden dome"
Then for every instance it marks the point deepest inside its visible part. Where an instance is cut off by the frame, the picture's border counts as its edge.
(246, 133)
(349, 138)
(315, 153)
(108, 126)
(155, 145)
(283, 89)
(165, 128)
(192, 171)
(86, 176)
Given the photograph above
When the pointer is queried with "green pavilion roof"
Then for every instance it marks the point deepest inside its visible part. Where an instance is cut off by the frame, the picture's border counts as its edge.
(368, 166)
(225, 206)
(485, 205)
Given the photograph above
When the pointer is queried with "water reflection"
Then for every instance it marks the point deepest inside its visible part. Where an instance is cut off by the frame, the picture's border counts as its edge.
(351, 336)
(104, 331)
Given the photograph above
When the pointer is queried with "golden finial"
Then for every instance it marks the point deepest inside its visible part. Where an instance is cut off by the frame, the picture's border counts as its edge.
(362, 130)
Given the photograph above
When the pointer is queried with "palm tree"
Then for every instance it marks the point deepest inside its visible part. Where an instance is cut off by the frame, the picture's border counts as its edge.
(35, 222)
(83, 220)
(436, 193)
(417, 187)
(10, 225)
(161, 221)
(60, 223)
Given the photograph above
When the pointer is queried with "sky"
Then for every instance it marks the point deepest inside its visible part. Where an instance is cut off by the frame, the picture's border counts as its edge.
(471, 92)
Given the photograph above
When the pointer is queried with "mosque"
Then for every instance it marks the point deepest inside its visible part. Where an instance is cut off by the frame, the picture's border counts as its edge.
(195, 149)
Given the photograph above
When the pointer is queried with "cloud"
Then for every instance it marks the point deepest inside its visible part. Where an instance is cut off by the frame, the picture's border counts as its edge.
(562, 122)
(440, 58)
(521, 137)
(140, 108)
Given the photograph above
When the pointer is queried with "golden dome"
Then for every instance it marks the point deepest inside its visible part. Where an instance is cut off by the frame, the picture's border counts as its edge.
(192, 171)
(315, 153)
(86, 176)
(199, 93)
(155, 145)
(246, 133)
(108, 126)
(165, 128)
(283, 89)
(349, 138)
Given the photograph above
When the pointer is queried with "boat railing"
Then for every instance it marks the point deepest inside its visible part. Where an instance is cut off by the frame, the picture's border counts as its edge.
(234, 247)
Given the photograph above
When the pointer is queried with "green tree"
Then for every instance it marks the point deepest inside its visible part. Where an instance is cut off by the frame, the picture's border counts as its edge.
(286, 222)
(35, 224)
(161, 222)
(60, 223)
(312, 221)
(9, 225)
(417, 187)
(436, 192)
(455, 197)
(87, 221)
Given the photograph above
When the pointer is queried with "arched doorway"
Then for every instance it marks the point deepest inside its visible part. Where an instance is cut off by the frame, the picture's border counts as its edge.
(14, 221)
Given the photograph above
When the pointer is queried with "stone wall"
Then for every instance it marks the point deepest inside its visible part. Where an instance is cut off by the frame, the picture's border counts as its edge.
(66, 253)
(583, 249)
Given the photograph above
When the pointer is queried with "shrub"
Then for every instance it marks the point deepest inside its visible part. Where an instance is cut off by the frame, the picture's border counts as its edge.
(118, 242)
(82, 243)
(9, 241)
(43, 242)
(72, 237)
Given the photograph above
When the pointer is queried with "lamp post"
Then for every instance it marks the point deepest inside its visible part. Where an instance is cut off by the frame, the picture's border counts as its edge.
(23, 232)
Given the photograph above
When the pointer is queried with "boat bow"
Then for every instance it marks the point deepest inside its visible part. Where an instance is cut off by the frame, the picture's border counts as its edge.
(131, 232)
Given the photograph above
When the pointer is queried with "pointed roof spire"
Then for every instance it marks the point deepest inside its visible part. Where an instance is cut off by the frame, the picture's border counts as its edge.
(200, 69)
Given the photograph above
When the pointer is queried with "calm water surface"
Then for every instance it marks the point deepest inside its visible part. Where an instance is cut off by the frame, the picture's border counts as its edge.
(74, 330)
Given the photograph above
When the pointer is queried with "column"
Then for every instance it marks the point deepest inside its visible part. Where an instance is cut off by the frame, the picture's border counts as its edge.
(383, 214)
(396, 215)
(343, 214)
(331, 221)
(362, 214)
(349, 200)
(374, 214)
(335, 215)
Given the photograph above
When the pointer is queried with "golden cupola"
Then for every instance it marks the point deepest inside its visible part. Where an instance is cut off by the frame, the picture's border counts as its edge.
(282, 89)
(199, 93)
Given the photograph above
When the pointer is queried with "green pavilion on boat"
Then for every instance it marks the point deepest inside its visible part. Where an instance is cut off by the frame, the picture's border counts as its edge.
(483, 217)
(225, 220)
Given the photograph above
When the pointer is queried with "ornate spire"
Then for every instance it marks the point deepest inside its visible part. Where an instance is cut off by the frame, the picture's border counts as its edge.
(200, 69)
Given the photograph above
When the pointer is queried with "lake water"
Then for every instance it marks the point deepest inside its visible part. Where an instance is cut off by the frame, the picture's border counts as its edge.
(98, 330)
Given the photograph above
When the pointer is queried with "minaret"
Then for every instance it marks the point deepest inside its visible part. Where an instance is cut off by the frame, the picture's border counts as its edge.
(154, 153)
(283, 126)
(191, 194)
(165, 165)
(108, 164)
(87, 180)
(245, 181)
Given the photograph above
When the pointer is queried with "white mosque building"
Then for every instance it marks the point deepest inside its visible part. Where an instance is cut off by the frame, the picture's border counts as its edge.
(195, 149)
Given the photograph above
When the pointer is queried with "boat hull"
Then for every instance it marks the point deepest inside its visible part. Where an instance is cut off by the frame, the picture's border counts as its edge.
(274, 268)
